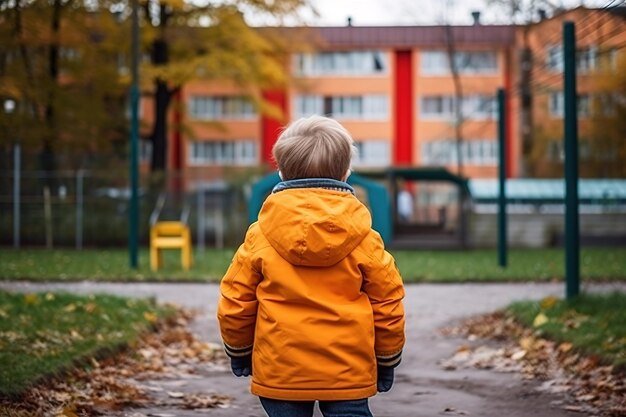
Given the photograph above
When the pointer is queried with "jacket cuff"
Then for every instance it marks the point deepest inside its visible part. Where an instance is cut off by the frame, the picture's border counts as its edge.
(237, 352)
(389, 360)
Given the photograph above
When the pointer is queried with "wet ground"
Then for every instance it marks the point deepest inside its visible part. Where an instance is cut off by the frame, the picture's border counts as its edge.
(422, 387)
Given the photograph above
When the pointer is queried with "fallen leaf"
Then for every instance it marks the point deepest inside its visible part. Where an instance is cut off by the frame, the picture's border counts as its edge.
(540, 320)
(31, 299)
(518, 355)
(150, 316)
(549, 302)
(70, 308)
(565, 347)
(176, 394)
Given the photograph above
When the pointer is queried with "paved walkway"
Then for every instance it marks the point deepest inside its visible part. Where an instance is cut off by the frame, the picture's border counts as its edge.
(422, 387)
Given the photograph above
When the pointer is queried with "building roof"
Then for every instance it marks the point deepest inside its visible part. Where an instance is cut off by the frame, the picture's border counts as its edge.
(413, 36)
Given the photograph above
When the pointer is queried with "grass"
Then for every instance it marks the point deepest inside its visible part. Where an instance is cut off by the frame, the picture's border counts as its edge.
(416, 266)
(593, 324)
(45, 334)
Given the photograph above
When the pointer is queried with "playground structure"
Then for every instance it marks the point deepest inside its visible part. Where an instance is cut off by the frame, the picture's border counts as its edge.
(169, 235)
(376, 189)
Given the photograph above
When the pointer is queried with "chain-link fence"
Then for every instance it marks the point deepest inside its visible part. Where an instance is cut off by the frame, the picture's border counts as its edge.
(84, 208)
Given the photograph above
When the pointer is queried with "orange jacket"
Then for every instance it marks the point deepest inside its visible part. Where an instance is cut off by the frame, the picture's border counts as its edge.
(316, 298)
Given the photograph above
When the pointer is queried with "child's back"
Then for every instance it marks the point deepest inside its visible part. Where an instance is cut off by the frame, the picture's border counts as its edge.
(314, 295)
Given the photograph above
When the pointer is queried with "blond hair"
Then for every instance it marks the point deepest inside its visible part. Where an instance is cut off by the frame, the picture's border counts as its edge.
(314, 147)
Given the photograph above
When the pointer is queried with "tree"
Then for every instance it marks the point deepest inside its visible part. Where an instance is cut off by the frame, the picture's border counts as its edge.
(55, 65)
(524, 13)
(212, 42)
(607, 133)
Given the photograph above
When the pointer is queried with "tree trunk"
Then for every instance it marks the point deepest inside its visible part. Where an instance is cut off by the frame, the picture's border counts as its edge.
(526, 100)
(161, 104)
(458, 98)
(47, 156)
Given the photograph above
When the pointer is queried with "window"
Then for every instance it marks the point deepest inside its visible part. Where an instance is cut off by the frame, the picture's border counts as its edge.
(341, 63)
(586, 59)
(556, 150)
(467, 63)
(474, 107)
(372, 153)
(367, 107)
(145, 150)
(554, 60)
(241, 152)
(473, 152)
(221, 107)
(437, 107)
(557, 105)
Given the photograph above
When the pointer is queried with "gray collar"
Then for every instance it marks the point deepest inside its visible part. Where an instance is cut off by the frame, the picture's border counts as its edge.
(325, 183)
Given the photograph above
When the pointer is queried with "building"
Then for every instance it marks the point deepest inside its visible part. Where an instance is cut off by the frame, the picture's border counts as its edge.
(394, 90)
(600, 38)
(390, 86)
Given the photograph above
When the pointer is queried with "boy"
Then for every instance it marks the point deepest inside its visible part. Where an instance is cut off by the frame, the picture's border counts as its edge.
(311, 305)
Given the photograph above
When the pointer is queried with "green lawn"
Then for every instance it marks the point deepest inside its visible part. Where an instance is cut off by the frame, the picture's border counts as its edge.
(416, 266)
(44, 334)
(591, 323)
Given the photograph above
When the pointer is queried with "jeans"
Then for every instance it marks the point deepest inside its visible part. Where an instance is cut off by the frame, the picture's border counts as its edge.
(351, 408)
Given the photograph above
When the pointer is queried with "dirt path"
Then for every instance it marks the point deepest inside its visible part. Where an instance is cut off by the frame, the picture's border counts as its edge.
(422, 387)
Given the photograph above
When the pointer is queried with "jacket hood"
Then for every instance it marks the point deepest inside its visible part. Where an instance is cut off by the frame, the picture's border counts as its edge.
(314, 226)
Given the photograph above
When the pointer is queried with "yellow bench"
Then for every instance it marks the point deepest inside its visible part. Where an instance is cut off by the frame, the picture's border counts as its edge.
(170, 235)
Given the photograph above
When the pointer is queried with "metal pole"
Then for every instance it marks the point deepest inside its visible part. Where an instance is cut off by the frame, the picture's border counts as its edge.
(572, 236)
(201, 219)
(17, 160)
(502, 221)
(133, 213)
(79, 208)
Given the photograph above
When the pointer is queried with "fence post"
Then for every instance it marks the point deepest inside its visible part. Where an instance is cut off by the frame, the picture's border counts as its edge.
(219, 224)
(17, 158)
(201, 219)
(502, 223)
(47, 214)
(79, 208)
(572, 235)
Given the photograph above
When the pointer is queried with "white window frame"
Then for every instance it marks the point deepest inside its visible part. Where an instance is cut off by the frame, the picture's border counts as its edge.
(473, 107)
(209, 107)
(341, 63)
(374, 107)
(586, 59)
(475, 152)
(556, 105)
(437, 63)
(372, 153)
(240, 152)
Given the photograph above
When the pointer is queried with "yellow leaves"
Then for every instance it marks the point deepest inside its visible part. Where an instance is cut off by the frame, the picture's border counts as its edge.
(150, 316)
(68, 412)
(540, 320)
(70, 308)
(31, 299)
(548, 302)
(50, 296)
(90, 307)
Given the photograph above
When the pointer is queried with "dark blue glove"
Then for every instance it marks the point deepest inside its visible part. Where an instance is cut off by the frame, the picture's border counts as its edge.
(241, 365)
(385, 378)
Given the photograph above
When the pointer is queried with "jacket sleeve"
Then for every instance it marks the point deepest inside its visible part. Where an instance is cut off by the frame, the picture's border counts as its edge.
(237, 308)
(383, 284)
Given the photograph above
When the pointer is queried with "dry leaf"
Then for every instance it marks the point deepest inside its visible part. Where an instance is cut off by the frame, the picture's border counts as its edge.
(150, 316)
(549, 302)
(31, 299)
(540, 320)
